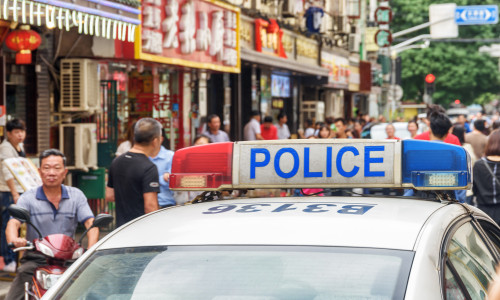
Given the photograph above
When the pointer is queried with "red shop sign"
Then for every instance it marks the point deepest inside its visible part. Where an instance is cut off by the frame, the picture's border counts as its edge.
(192, 33)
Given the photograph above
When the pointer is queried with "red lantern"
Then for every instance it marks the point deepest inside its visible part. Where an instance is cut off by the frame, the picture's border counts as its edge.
(24, 41)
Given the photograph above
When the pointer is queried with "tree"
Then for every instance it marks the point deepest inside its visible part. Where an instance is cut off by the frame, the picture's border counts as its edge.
(461, 71)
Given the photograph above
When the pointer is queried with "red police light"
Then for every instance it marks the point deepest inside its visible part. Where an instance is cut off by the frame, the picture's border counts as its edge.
(430, 78)
(457, 101)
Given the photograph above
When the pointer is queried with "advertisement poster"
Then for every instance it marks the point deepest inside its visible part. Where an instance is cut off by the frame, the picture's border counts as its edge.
(25, 172)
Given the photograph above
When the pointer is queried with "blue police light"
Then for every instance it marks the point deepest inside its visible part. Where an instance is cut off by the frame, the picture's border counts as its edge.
(434, 164)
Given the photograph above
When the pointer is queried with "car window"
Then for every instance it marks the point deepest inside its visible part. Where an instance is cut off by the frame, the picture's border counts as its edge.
(452, 288)
(241, 272)
(472, 260)
(492, 232)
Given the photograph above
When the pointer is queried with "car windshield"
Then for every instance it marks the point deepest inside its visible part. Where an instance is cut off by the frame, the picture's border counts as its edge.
(241, 272)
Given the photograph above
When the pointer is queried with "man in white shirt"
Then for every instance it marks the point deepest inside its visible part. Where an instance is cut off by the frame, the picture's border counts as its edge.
(251, 131)
(213, 132)
(283, 131)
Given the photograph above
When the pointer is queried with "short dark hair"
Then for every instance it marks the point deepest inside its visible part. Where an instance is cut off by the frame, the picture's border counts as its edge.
(459, 132)
(51, 152)
(281, 115)
(440, 124)
(255, 113)
(496, 124)
(15, 124)
(480, 125)
(493, 143)
(309, 122)
(268, 119)
(201, 136)
(212, 116)
(413, 121)
(435, 108)
(340, 120)
(146, 130)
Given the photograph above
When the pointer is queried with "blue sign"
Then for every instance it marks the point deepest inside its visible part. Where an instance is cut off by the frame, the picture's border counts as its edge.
(476, 14)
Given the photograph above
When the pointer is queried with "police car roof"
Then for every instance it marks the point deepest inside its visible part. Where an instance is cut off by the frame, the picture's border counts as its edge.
(387, 223)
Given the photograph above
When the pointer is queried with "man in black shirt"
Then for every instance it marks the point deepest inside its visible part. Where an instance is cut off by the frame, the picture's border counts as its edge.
(133, 179)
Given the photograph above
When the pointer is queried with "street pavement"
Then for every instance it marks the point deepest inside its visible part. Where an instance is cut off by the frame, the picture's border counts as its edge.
(5, 282)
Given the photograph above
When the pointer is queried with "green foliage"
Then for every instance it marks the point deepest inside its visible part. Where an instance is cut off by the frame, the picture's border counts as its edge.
(461, 71)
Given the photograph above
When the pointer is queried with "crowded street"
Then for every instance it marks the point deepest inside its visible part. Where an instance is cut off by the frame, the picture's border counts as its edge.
(249, 150)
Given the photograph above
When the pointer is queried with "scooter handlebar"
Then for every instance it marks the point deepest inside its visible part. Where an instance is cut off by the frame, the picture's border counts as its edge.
(29, 246)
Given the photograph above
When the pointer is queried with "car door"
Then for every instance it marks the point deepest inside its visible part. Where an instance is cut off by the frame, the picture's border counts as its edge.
(469, 261)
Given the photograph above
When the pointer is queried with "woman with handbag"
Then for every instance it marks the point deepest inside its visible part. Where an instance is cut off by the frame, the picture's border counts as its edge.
(486, 175)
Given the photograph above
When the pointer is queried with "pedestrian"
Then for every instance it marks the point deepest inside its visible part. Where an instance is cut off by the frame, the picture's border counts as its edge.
(54, 208)
(462, 120)
(309, 129)
(477, 138)
(459, 131)
(340, 125)
(268, 130)
(11, 190)
(201, 140)
(283, 131)
(324, 132)
(413, 128)
(251, 131)
(358, 127)
(391, 131)
(426, 136)
(133, 179)
(486, 178)
(214, 132)
(163, 162)
(127, 144)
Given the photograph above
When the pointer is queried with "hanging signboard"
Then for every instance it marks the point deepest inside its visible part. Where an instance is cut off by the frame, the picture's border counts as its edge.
(191, 33)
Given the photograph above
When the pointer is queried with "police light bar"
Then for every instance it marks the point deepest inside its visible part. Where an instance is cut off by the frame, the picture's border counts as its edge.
(342, 163)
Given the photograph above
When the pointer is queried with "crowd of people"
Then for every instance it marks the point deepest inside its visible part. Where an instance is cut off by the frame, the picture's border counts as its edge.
(139, 175)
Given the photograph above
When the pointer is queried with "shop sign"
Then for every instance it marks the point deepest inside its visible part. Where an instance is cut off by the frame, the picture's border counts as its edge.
(383, 38)
(383, 15)
(288, 42)
(106, 19)
(370, 44)
(365, 75)
(247, 33)
(269, 38)
(354, 79)
(193, 33)
(307, 51)
(338, 67)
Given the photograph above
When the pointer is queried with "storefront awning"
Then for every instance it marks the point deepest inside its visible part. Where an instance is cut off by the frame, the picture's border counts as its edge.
(281, 63)
(108, 19)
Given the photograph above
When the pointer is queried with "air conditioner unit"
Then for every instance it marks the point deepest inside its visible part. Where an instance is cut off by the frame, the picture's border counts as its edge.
(79, 143)
(354, 41)
(79, 85)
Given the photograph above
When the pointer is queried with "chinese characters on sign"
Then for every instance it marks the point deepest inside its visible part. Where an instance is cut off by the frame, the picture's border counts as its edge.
(383, 38)
(194, 33)
(268, 37)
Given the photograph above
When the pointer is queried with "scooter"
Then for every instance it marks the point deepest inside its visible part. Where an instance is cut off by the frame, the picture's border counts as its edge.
(59, 249)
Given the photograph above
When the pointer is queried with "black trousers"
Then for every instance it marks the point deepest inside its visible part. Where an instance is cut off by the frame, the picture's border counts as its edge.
(29, 262)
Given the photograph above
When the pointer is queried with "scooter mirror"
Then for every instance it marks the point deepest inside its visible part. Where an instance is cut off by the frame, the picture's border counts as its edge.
(23, 215)
(102, 220)
(19, 213)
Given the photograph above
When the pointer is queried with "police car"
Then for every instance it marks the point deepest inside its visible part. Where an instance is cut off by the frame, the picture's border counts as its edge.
(313, 248)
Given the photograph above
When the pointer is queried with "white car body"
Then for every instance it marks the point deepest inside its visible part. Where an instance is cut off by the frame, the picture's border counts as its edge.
(419, 226)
